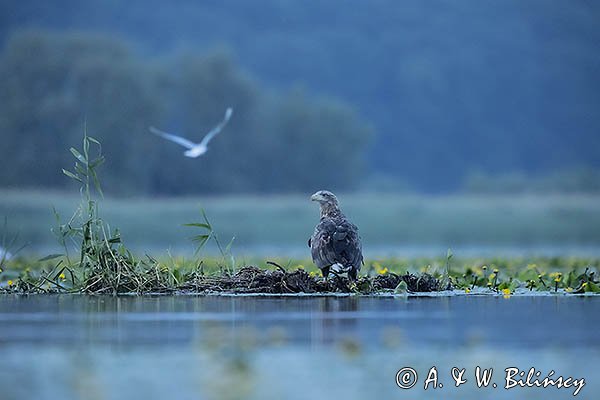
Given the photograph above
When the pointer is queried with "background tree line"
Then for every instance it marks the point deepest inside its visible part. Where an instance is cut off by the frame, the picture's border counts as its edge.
(435, 97)
(451, 89)
(282, 141)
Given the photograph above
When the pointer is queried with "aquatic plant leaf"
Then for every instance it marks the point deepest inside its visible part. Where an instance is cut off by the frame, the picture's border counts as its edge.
(72, 175)
(199, 225)
(78, 156)
(572, 280)
(97, 162)
(50, 257)
(115, 239)
(591, 287)
(80, 170)
(201, 239)
(96, 183)
(401, 288)
(229, 245)
(93, 140)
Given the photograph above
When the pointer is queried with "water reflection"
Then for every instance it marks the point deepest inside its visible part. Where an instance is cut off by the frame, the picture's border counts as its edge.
(314, 321)
(72, 347)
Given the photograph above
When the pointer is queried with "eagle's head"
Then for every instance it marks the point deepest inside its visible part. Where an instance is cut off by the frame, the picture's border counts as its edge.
(324, 196)
(328, 202)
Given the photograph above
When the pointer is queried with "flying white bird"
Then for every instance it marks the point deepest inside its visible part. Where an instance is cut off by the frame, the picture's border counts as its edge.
(195, 149)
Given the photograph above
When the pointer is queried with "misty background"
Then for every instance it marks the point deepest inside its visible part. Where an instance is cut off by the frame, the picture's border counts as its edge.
(412, 98)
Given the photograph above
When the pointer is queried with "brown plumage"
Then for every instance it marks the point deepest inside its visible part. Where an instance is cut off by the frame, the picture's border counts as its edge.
(335, 241)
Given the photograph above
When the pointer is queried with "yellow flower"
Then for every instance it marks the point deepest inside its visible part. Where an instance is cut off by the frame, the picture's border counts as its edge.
(382, 271)
(492, 276)
(62, 276)
(484, 267)
(10, 283)
(506, 292)
(495, 270)
(584, 284)
(556, 275)
(312, 274)
(569, 289)
(467, 290)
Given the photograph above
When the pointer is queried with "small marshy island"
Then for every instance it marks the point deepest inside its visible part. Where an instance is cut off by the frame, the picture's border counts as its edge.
(96, 260)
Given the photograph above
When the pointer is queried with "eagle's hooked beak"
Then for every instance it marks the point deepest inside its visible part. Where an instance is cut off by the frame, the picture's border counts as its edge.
(316, 197)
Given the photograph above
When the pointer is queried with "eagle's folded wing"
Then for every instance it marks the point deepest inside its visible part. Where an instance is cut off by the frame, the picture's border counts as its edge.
(336, 241)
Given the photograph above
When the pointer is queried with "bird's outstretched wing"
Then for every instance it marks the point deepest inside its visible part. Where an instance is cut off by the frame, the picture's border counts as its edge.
(217, 128)
(174, 138)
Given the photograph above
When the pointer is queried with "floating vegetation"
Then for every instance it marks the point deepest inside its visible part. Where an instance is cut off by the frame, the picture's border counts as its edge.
(117, 274)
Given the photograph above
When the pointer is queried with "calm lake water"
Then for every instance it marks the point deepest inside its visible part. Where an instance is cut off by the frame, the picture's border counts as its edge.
(232, 347)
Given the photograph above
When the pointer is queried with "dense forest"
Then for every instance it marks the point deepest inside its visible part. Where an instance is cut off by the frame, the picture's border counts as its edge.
(63, 84)
(451, 91)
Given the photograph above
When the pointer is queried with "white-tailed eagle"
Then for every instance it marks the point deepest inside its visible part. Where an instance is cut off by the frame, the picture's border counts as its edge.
(335, 244)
